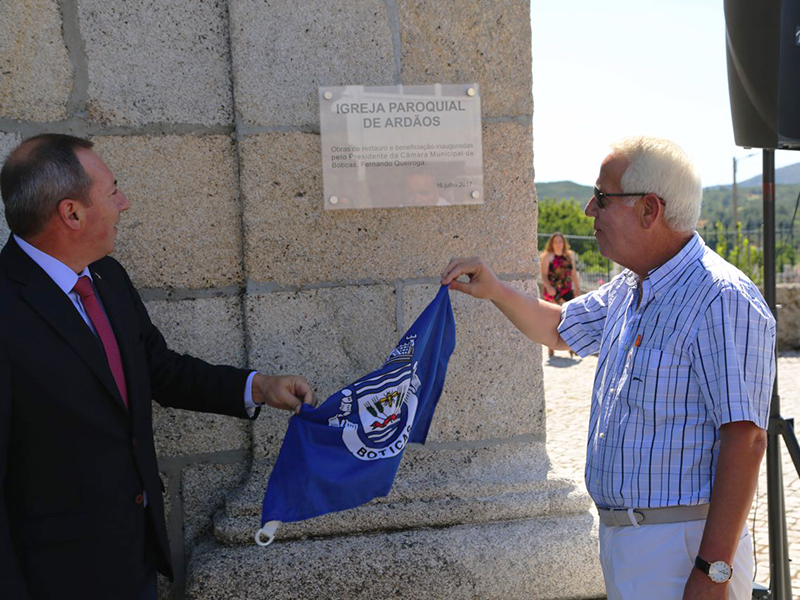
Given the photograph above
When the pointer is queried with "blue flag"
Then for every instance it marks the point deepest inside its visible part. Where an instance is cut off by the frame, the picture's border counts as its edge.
(346, 451)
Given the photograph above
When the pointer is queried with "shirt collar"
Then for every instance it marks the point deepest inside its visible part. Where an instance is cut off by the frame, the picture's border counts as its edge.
(665, 275)
(64, 277)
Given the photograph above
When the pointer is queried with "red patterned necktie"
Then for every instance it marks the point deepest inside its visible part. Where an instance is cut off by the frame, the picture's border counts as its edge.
(99, 319)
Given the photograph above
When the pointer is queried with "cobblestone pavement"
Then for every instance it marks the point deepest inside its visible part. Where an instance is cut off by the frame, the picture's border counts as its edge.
(567, 386)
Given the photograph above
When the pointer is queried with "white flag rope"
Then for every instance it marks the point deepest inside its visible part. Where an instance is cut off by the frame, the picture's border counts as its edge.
(269, 529)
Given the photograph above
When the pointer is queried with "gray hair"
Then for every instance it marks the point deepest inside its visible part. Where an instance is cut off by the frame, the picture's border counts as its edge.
(37, 175)
(661, 167)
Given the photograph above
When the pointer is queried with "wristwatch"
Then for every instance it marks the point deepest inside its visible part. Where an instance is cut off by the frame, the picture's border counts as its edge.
(718, 571)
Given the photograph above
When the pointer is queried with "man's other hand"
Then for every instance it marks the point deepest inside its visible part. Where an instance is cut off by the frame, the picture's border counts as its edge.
(287, 392)
(700, 587)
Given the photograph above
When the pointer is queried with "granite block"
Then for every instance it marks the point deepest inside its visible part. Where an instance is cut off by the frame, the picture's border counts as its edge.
(164, 588)
(4, 230)
(434, 487)
(157, 62)
(457, 41)
(183, 229)
(211, 329)
(494, 387)
(331, 336)
(429, 473)
(35, 70)
(203, 491)
(281, 55)
(512, 560)
(167, 498)
(291, 240)
(8, 141)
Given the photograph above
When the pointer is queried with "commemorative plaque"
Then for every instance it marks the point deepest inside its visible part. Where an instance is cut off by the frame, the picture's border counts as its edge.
(391, 146)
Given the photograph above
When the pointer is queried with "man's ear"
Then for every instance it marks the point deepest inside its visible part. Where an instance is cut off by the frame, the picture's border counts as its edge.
(651, 210)
(71, 213)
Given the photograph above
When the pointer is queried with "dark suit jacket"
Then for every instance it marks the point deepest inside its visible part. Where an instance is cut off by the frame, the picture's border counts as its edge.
(74, 463)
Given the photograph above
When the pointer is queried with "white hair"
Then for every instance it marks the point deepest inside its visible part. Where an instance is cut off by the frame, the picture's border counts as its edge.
(662, 168)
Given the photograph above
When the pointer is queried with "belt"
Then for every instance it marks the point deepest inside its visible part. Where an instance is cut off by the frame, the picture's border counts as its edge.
(626, 517)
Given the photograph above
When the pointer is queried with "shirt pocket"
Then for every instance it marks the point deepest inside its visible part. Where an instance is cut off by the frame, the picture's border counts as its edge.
(656, 379)
(647, 362)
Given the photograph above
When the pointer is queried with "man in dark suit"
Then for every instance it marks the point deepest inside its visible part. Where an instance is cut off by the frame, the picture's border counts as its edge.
(81, 508)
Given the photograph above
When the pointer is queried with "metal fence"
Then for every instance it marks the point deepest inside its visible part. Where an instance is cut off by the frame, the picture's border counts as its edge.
(744, 248)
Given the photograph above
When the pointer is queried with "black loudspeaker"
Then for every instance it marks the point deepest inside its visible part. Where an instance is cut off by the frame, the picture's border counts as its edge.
(763, 40)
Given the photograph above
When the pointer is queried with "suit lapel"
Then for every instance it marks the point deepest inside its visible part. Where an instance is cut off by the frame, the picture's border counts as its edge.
(53, 305)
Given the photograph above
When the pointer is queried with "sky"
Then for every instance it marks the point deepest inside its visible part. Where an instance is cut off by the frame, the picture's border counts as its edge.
(604, 70)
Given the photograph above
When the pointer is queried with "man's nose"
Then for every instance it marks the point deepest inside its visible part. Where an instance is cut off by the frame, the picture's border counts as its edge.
(591, 208)
(125, 205)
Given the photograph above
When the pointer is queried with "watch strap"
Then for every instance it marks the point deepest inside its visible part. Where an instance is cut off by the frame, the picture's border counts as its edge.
(702, 565)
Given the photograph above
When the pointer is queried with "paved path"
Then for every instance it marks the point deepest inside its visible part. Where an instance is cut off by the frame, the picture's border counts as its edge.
(567, 385)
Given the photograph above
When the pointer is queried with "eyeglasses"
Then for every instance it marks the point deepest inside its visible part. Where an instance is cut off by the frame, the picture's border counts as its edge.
(602, 197)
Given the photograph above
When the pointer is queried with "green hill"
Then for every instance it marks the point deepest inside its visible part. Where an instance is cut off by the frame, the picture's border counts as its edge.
(784, 175)
(718, 206)
(563, 190)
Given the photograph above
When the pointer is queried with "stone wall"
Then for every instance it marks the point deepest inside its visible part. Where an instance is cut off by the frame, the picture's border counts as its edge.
(206, 111)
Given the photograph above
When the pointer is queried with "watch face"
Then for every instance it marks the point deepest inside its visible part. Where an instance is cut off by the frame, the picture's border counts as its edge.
(719, 571)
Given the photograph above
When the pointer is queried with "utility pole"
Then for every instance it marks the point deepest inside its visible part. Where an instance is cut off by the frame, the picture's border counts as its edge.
(735, 188)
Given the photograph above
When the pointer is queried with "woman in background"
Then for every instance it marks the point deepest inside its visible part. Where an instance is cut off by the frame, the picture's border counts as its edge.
(559, 273)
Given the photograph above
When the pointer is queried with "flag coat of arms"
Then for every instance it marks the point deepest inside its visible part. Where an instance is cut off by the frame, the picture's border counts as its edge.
(346, 451)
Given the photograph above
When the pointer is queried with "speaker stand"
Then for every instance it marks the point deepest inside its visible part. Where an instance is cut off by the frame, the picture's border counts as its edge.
(779, 428)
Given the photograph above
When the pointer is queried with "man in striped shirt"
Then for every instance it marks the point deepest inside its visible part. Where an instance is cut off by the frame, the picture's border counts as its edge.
(684, 378)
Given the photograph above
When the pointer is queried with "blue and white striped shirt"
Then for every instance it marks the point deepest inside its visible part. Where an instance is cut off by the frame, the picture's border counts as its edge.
(696, 353)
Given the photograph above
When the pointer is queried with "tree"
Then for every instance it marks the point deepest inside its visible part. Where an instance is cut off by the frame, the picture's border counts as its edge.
(740, 252)
(565, 216)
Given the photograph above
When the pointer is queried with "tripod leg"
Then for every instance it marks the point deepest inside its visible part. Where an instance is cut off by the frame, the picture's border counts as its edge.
(791, 443)
(780, 582)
